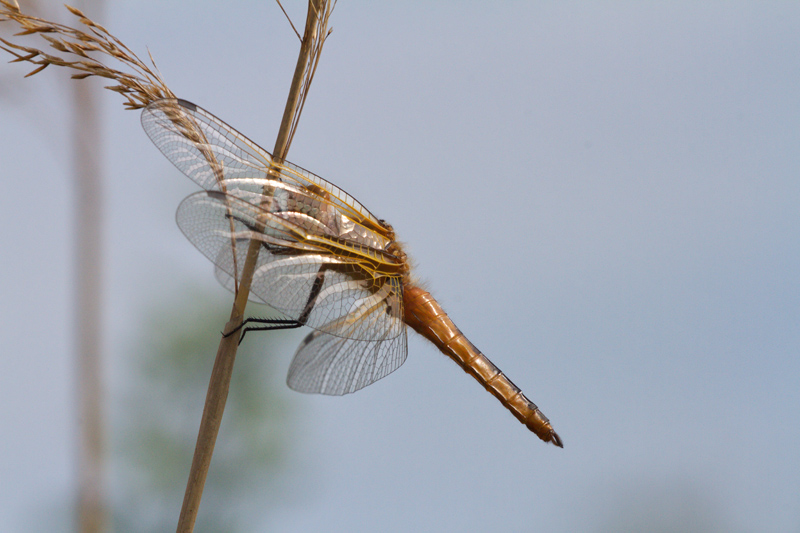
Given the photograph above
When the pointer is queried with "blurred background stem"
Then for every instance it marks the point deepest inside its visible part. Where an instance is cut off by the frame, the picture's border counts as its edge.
(87, 155)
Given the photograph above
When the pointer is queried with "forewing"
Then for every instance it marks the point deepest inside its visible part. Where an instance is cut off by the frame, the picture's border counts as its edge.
(327, 364)
(303, 281)
(212, 154)
(201, 146)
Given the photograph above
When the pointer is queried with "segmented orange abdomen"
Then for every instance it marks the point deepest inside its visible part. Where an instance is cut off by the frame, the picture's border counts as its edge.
(426, 317)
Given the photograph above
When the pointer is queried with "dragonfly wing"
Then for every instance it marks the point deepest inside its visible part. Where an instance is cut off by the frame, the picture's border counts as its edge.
(343, 201)
(302, 280)
(327, 364)
(217, 157)
(201, 146)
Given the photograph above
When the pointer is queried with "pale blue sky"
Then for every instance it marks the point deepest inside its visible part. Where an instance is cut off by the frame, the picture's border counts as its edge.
(604, 196)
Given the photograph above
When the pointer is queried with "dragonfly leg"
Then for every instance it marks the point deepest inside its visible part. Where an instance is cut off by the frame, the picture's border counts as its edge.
(267, 324)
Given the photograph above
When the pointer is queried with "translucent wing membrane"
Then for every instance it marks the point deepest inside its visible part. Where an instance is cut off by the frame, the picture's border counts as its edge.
(209, 152)
(201, 146)
(334, 365)
(305, 209)
(303, 280)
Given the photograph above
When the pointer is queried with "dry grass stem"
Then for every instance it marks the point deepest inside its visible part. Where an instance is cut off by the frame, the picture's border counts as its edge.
(317, 39)
(75, 49)
(290, 20)
(140, 88)
(314, 37)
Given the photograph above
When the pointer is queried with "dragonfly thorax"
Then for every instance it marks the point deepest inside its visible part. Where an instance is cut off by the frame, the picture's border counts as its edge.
(396, 249)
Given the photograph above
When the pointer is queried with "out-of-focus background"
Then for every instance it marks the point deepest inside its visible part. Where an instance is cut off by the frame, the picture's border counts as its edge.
(604, 196)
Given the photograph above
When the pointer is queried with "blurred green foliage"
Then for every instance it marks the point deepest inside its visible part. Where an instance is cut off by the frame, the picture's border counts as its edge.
(155, 428)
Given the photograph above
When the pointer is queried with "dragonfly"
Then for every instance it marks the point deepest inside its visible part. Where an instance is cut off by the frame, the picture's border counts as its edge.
(324, 261)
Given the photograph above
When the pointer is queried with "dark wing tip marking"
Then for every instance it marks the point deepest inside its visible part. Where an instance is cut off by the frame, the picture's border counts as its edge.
(217, 195)
(187, 104)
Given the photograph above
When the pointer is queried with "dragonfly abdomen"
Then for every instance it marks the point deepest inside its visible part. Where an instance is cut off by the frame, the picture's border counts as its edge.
(426, 317)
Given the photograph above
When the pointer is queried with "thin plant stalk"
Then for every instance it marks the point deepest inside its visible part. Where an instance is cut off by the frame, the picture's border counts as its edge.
(226, 353)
